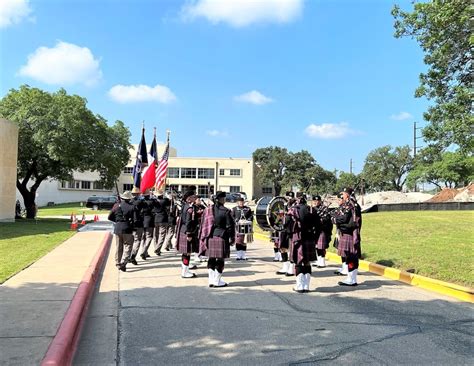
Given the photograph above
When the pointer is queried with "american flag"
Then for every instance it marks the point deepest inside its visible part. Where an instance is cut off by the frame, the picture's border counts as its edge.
(162, 168)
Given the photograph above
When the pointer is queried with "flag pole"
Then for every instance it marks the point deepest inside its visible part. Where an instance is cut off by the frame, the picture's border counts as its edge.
(168, 132)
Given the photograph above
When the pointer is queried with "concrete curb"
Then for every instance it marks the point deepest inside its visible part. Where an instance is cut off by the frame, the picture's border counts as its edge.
(64, 344)
(441, 287)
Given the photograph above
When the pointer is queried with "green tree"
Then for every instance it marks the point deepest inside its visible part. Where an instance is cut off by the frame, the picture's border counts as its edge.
(346, 180)
(272, 163)
(386, 168)
(443, 30)
(443, 169)
(59, 134)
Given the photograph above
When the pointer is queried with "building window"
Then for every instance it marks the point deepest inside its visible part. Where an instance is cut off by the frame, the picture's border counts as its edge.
(128, 170)
(205, 191)
(85, 184)
(235, 172)
(267, 190)
(98, 185)
(127, 187)
(221, 172)
(63, 184)
(205, 173)
(173, 172)
(189, 173)
(234, 189)
(75, 184)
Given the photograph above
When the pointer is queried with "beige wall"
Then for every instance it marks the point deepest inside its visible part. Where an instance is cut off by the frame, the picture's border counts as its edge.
(8, 170)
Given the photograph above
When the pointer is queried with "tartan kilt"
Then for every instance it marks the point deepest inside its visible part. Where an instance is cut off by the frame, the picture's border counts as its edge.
(184, 246)
(217, 247)
(323, 241)
(303, 251)
(239, 238)
(346, 244)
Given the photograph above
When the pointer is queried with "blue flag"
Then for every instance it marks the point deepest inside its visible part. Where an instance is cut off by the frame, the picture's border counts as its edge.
(141, 162)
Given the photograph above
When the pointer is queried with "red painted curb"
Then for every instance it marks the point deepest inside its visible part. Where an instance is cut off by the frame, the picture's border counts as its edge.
(63, 346)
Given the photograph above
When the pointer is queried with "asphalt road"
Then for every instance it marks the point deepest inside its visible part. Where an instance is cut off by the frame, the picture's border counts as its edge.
(150, 316)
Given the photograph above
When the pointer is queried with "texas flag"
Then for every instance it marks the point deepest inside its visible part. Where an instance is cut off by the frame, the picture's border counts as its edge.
(149, 176)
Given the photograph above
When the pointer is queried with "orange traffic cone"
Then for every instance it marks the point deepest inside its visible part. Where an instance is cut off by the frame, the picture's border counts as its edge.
(83, 222)
(96, 218)
(74, 223)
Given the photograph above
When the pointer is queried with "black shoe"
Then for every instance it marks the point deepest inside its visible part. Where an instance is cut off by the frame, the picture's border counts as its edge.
(337, 273)
(346, 284)
(143, 256)
(133, 261)
(299, 291)
(123, 268)
(147, 255)
(238, 259)
(157, 252)
(167, 249)
(289, 275)
(193, 266)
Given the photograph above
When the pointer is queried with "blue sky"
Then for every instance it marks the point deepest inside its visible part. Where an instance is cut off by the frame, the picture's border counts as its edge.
(226, 77)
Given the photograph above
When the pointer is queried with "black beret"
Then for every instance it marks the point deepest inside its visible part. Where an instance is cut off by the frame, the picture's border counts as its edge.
(299, 194)
(290, 194)
(348, 190)
(317, 197)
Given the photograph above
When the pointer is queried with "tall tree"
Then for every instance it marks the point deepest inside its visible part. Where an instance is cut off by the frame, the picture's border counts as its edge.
(444, 31)
(443, 169)
(347, 180)
(386, 168)
(272, 163)
(59, 134)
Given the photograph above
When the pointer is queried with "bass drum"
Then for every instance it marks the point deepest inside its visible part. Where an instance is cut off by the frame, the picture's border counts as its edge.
(270, 212)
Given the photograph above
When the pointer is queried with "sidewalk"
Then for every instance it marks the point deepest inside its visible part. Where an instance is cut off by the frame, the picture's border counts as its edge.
(34, 302)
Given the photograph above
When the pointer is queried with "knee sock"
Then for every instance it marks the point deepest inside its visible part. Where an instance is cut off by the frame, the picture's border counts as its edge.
(307, 269)
(220, 265)
(185, 259)
(284, 257)
(343, 259)
(275, 250)
(211, 263)
(299, 269)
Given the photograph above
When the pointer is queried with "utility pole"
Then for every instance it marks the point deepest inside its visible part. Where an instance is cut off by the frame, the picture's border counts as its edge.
(415, 137)
(350, 167)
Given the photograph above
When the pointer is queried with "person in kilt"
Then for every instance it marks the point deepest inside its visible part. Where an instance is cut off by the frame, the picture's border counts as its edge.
(275, 238)
(284, 238)
(187, 240)
(217, 234)
(346, 223)
(302, 248)
(199, 207)
(323, 232)
(241, 212)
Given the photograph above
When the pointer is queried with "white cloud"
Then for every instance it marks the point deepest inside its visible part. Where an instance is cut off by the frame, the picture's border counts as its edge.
(13, 11)
(254, 97)
(329, 130)
(217, 133)
(141, 93)
(241, 13)
(401, 116)
(64, 64)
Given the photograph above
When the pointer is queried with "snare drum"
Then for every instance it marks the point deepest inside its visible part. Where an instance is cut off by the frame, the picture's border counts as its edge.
(244, 227)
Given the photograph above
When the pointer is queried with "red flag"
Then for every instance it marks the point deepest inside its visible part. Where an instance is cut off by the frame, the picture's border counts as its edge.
(148, 178)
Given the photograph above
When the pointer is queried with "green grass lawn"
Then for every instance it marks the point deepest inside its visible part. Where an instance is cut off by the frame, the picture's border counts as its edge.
(436, 244)
(25, 241)
(65, 209)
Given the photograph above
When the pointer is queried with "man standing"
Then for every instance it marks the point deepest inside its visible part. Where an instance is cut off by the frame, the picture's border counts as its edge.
(160, 212)
(148, 223)
(241, 212)
(138, 231)
(187, 235)
(302, 247)
(284, 239)
(122, 215)
(216, 235)
(324, 231)
(347, 225)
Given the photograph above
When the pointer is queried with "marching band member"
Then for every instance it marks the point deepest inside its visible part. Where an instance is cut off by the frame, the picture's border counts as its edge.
(302, 247)
(288, 268)
(240, 212)
(346, 222)
(324, 231)
(199, 212)
(187, 240)
(216, 235)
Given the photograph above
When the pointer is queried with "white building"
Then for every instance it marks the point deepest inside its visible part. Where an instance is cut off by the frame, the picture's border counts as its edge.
(227, 174)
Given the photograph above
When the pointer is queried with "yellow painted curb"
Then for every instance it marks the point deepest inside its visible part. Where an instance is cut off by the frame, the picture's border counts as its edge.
(445, 288)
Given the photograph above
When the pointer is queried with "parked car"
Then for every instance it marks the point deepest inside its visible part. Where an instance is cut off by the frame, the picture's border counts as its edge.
(243, 195)
(232, 197)
(101, 202)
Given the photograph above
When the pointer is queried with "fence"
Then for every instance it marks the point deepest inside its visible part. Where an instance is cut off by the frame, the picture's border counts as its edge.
(421, 206)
